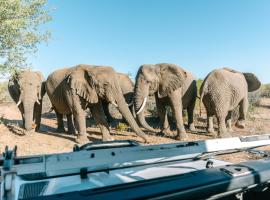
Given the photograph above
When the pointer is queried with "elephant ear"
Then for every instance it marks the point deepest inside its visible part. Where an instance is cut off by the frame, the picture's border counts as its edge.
(14, 89)
(171, 78)
(42, 89)
(83, 85)
(252, 81)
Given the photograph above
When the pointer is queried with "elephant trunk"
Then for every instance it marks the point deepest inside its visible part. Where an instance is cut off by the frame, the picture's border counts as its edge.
(28, 114)
(143, 123)
(140, 98)
(124, 110)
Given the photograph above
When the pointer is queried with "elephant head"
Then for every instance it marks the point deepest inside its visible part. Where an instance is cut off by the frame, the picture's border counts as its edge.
(161, 79)
(27, 89)
(95, 83)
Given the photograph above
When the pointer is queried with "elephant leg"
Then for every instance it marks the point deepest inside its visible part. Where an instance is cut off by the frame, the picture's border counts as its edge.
(79, 119)
(163, 117)
(98, 115)
(60, 122)
(71, 128)
(176, 105)
(37, 115)
(22, 113)
(222, 130)
(80, 122)
(242, 113)
(229, 121)
(190, 111)
(107, 113)
(210, 123)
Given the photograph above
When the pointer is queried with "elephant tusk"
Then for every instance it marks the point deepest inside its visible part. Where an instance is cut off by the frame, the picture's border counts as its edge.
(141, 109)
(19, 102)
(113, 103)
(38, 102)
(130, 104)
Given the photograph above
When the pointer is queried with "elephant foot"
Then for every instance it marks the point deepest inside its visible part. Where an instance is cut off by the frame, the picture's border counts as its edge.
(37, 128)
(61, 130)
(29, 132)
(224, 135)
(164, 132)
(241, 124)
(181, 135)
(107, 137)
(192, 128)
(210, 130)
(146, 140)
(82, 139)
(230, 130)
(71, 131)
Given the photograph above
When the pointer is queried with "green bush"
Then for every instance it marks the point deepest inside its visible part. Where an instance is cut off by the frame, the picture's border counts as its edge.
(121, 127)
(265, 90)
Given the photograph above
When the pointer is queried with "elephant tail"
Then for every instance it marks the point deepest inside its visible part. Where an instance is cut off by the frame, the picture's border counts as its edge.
(203, 89)
(201, 98)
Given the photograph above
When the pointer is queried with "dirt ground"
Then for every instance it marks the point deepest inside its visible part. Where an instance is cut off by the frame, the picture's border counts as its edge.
(47, 140)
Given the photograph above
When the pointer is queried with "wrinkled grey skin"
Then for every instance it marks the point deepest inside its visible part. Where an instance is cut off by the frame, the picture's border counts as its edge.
(222, 91)
(172, 86)
(72, 90)
(127, 88)
(27, 90)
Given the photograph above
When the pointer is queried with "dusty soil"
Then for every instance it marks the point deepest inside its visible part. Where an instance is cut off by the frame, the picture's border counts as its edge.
(47, 140)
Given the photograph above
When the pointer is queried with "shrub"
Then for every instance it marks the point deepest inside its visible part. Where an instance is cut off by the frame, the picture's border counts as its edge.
(254, 98)
(121, 127)
(265, 90)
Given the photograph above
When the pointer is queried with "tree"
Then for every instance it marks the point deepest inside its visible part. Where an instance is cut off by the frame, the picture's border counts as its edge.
(20, 32)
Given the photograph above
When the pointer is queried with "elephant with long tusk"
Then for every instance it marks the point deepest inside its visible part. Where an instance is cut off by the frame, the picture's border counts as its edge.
(172, 86)
(72, 90)
(27, 89)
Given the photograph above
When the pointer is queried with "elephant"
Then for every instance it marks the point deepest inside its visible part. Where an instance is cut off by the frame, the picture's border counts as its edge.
(27, 89)
(127, 87)
(172, 86)
(222, 91)
(72, 90)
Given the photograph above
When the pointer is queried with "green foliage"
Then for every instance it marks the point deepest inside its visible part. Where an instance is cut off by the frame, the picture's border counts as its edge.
(199, 84)
(20, 21)
(265, 90)
(122, 127)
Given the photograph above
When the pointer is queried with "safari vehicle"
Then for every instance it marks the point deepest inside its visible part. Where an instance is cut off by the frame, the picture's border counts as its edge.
(126, 170)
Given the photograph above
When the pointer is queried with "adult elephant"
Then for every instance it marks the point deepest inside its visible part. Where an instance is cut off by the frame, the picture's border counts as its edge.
(72, 90)
(172, 86)
(27, 89)
(222, 91)
(127, 88)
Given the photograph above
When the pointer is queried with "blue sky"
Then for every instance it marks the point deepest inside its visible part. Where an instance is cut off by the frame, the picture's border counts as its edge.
(198, 35)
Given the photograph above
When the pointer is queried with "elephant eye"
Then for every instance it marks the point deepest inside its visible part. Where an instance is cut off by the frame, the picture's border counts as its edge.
(147, 82)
